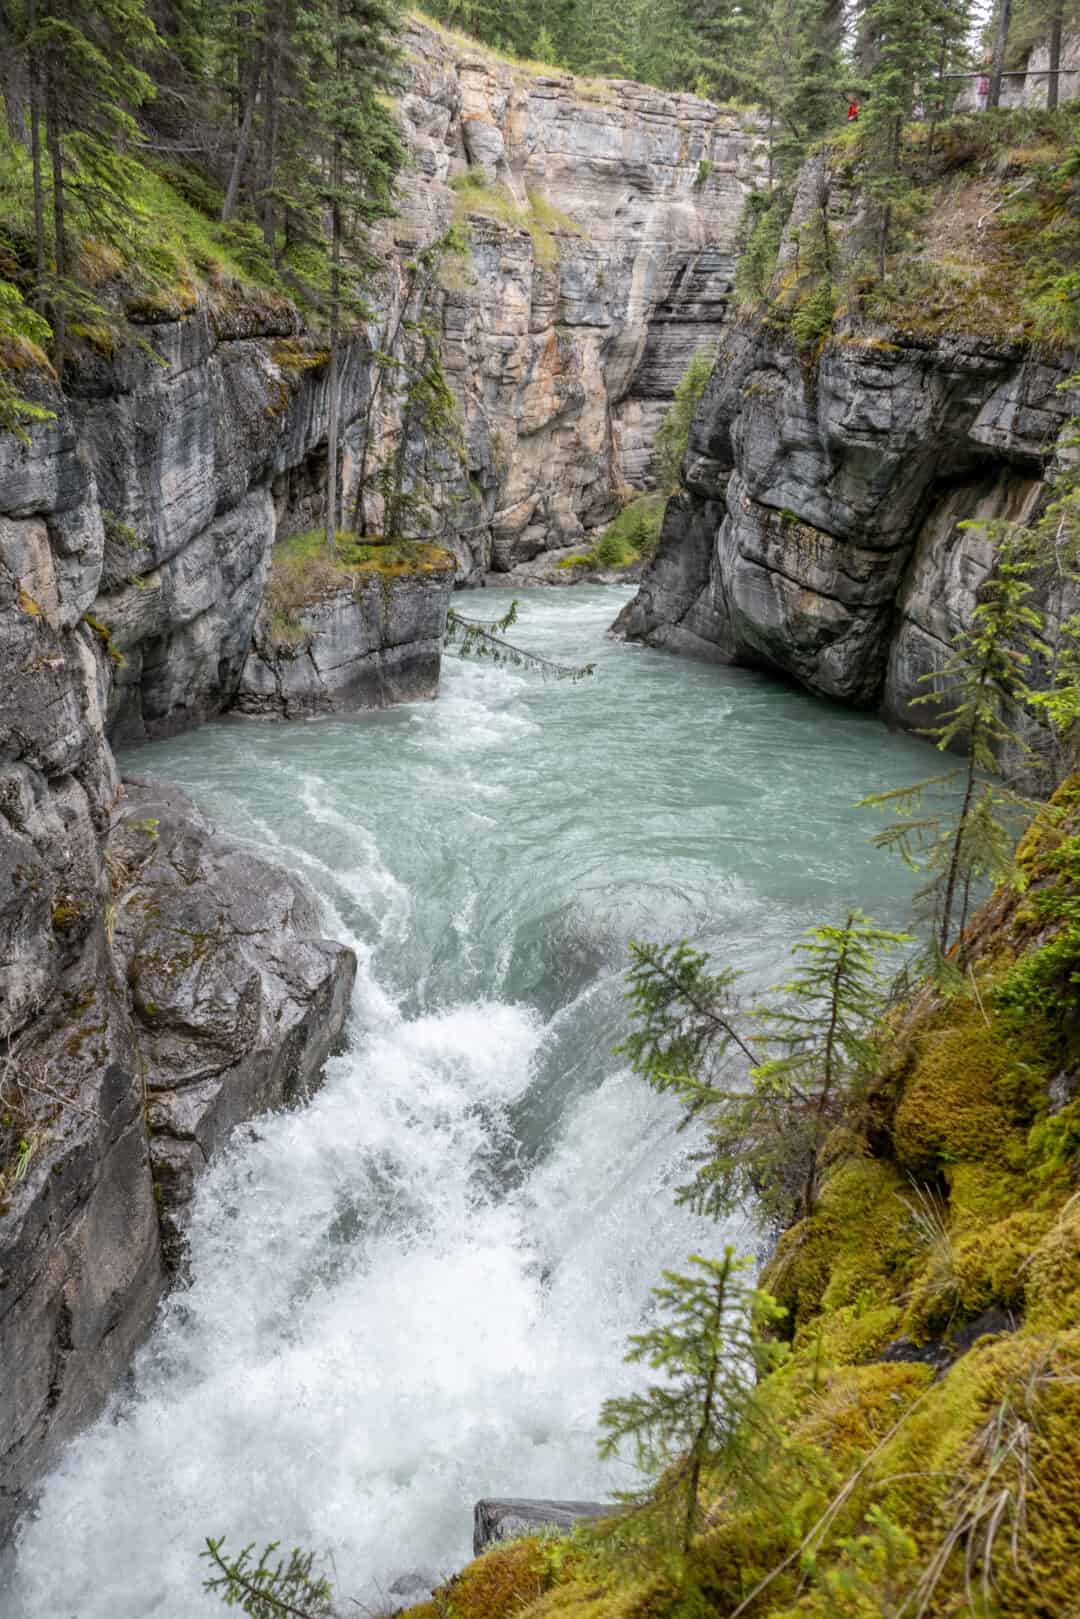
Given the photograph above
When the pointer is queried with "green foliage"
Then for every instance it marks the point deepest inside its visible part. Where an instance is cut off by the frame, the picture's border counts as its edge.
(765, 214)
(674, 436)
(708, 1347)
(271, 1588)
(825, 1029)
(985, 680)
(770, 1086)
(628, 538)
(812, 318)
(479, 638)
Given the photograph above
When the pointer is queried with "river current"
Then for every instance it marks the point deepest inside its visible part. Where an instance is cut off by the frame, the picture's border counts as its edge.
(416, 1290)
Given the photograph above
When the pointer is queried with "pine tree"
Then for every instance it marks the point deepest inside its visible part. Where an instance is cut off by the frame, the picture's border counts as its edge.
(907, 45)
(767, 1085)
(823, 1030)
(273, 1587)
(484, 638)
(86, 83)
(985, 679)
(365, 152)
(703, 1412)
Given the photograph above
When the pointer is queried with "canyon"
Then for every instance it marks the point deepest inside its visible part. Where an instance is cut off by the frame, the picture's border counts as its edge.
(157, 984)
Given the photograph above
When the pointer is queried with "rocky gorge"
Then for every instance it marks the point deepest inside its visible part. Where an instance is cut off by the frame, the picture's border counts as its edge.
(161, 984)
(158, 985)
(836, 514)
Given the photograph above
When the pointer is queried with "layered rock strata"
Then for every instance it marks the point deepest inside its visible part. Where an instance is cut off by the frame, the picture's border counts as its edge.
(375, 641)
(817, 530)
(154, 986)
(595, 227)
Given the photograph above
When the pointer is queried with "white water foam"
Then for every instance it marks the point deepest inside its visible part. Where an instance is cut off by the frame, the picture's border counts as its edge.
(372, 1339)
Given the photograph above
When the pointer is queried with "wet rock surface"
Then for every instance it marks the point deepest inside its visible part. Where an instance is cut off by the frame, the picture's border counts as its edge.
(817, 531)
(375, 642)
(187, 989)
(506, 1519)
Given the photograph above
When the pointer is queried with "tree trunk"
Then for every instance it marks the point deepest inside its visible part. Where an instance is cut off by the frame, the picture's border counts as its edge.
(14, 81)
(243, 142)
(41, 264)
(53, 139)
(333, 428)
(274, 44)
(938, 109)
(1057, 21)
(1001, 42)
(957, 849)
(701, 1438)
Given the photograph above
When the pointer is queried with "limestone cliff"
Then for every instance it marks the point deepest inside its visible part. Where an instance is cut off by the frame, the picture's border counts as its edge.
(599, 224)
(156, 985)
(817, 529)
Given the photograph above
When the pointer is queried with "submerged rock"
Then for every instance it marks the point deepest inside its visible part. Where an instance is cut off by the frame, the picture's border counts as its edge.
(495, 1520)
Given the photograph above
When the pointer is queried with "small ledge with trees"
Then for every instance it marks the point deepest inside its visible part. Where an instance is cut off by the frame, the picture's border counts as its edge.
(361, 628)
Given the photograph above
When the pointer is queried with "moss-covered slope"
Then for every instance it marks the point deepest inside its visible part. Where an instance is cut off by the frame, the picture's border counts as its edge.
(920, 1447)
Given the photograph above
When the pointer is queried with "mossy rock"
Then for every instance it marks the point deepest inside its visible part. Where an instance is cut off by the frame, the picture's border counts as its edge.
(948, 1111)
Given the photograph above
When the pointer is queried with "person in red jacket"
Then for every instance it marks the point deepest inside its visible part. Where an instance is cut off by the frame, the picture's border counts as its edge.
(853, 113)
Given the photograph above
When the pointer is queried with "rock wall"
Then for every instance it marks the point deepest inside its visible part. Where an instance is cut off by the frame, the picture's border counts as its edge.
(376, 641)
(817, 531)
(568, 321)
(159, 995)
(155, 985)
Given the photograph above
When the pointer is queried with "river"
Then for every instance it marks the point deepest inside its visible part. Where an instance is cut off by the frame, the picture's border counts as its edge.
(416, 1290)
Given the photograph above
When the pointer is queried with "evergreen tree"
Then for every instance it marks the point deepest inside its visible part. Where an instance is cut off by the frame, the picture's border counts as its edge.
(985, 679)
(86, 83)
(272, 1588)
(823, 1031)
(484, 638)
(767, 1086)
(674, 436)
(702, 1414)
(365, 152)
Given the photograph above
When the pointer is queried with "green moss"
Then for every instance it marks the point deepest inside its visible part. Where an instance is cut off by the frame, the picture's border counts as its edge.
(948, 1110)
(104, 635)
(492, 200)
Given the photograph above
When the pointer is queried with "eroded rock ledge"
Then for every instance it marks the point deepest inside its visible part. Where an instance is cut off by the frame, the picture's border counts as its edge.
(817, 530)
(375, 641)
(198, 994)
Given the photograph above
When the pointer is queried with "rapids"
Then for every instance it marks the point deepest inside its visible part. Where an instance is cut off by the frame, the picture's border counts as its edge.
(416, 1290)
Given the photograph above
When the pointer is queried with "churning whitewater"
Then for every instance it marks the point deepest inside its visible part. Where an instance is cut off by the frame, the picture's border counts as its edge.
(416, 1290)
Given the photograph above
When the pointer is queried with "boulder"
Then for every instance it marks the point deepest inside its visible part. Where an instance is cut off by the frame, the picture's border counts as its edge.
(495, 1520)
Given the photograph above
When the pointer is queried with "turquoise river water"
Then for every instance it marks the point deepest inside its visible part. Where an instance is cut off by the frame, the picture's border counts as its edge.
(416, 1290)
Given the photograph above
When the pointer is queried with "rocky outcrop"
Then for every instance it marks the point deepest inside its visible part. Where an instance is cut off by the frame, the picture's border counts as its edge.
(817, 531)
(153, 998)
(595, 227)
(506, 1519)
(376, 640)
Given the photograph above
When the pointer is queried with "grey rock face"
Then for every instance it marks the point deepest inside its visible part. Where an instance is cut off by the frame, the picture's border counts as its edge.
(817, 534)
(156, 986)
(565, 333)
(236, 1000)
(183, 988)
(497, 1520)
(377, 642)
